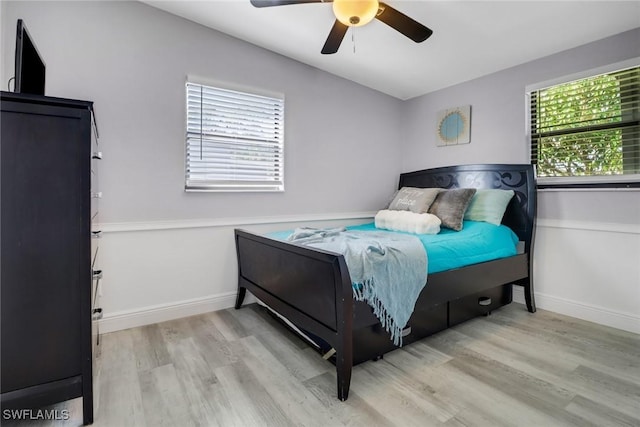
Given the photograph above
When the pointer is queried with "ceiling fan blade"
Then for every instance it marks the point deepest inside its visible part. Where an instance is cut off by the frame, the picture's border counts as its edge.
(335, 38)
(269, 3)
(403, 24)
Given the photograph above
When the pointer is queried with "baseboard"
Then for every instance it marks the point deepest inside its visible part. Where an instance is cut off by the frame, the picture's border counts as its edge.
(625, 321)
(161, 313)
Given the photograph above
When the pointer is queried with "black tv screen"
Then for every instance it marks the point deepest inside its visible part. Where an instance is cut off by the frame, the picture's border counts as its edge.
(30, 68)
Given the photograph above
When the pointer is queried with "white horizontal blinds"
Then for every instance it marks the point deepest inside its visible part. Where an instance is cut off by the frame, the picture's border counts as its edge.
(235, 140)
(588, 127)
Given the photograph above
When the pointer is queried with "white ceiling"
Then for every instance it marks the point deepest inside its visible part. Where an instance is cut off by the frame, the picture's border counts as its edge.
(471, 38)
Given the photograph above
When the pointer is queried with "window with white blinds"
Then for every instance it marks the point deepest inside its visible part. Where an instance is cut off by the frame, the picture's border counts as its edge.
(587, 131)
(235, 140)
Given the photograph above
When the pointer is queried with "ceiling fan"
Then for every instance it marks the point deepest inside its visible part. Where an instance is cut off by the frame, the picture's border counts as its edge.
(356, 13)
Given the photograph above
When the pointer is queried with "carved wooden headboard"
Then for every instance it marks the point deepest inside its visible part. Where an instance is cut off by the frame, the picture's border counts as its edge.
(520, 215)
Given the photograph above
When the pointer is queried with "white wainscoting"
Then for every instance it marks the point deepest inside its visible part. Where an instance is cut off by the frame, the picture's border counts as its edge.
(588, 270)
(160, 271)
(126, 319)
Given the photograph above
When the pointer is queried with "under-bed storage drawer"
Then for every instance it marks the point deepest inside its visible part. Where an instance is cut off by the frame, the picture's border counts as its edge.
(463, 309)
(372, 341)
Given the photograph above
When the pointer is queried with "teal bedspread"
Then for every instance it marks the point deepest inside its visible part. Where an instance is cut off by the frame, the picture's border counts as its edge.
(477, 242)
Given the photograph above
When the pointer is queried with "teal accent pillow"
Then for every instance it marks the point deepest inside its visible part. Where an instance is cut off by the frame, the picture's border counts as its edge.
(450, 206)
(488, 206)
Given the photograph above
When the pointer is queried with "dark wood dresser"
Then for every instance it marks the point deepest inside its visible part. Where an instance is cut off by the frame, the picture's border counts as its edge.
(46, 262)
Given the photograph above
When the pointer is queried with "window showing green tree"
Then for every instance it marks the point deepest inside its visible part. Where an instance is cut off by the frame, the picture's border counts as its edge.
(588, 127)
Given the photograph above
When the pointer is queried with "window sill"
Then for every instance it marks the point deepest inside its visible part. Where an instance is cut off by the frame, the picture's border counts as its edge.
(233, 190)
(597, 183)
(588, 188)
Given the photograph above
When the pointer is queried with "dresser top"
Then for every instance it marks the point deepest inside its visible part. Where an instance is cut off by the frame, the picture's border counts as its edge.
(45, 100)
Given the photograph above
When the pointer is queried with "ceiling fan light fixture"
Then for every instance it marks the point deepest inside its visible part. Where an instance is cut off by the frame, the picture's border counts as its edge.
(355, 13)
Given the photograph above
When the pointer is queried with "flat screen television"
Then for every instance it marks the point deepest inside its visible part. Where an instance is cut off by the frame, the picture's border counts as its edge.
(29, 66)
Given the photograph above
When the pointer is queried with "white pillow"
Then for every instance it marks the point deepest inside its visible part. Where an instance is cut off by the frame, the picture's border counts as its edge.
(423, 223)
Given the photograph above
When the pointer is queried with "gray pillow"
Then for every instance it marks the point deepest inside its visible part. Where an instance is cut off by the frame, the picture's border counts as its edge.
(414, 199)
(450, 206)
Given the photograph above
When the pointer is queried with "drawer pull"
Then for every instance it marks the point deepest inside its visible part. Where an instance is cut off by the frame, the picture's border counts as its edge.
(97, 155)
(96, 234)
(484, 301)
(97, 274)
(96, 195)
(97, 314)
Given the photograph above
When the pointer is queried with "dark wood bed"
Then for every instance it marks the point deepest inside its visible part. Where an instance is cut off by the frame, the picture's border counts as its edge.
(312, 288)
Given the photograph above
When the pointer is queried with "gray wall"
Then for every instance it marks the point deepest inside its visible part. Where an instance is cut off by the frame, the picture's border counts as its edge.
(167, 253)
(587, 242)
(499, 123)
(132, 61)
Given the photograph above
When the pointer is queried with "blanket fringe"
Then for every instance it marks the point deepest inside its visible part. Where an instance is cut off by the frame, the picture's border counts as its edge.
(364, 292)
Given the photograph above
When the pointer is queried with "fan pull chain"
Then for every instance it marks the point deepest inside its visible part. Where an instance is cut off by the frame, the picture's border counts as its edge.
(353, 39)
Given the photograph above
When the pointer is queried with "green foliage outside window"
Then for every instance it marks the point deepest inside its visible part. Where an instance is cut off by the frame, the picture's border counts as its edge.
(587, 127)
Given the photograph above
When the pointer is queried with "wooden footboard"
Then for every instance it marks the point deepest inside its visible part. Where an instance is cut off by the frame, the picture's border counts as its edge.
(310, 287)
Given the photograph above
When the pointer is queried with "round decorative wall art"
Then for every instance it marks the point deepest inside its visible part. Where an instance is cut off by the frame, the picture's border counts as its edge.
(453, 126)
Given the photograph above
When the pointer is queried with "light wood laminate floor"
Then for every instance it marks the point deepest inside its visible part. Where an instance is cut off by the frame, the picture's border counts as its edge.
(242, 368)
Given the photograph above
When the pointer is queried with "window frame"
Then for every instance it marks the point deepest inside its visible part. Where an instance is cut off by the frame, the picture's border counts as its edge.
(578, 182)
(235, 186)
